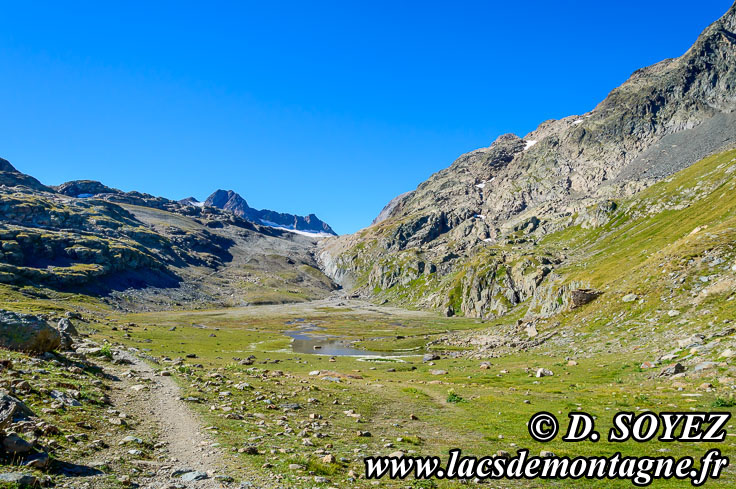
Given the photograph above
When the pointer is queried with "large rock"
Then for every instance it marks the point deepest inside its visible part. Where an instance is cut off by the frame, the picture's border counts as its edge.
(25, 332)
(68, 332)
(14, 444)
(11, 409)
(66, 327)
(18, 479)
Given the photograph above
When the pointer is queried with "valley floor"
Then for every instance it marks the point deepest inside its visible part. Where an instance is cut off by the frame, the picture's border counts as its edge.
(254, 411)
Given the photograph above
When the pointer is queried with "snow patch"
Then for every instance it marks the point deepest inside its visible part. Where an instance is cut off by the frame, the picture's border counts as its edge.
(480, 216)
(488, 240)
(529, 144)
(312, 234)
(481, 185)
(579, 121)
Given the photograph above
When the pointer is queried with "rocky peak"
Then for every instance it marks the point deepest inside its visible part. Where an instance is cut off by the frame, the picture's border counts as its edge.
(231, 201)
(10, 177)
(6, 166)
(228, 200)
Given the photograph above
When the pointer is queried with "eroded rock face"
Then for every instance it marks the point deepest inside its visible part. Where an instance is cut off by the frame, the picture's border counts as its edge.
(25, 332)
(565, 173)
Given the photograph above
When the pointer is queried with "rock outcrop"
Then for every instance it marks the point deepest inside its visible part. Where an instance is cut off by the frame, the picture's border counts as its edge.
(26, 332)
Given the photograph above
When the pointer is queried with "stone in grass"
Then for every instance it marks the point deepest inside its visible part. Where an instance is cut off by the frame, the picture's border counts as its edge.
(38, 460)
(194, 476)
(671, 370)
(543, 372)
(12, 409)
(18, 479)
(15, 444)
(629, 298)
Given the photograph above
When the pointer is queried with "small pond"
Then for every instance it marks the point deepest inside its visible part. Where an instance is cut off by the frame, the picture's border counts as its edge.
(306, 339)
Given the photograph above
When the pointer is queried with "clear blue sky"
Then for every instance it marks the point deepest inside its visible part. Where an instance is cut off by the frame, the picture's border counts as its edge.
(331, 108)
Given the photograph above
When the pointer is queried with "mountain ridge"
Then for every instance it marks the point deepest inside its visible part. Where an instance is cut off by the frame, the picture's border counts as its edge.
(510, 195)
(231, 201)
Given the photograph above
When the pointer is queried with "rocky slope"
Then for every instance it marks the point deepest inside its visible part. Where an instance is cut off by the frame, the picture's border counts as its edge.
(468, 239)
(140, 251)
(232, 202)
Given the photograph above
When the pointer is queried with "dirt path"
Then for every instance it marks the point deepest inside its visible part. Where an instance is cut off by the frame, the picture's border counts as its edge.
(154, 400)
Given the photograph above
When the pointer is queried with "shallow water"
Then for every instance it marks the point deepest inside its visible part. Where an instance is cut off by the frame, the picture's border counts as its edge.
(305, 340)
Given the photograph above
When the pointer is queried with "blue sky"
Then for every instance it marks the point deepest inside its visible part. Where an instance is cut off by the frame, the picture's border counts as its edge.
(325, 107)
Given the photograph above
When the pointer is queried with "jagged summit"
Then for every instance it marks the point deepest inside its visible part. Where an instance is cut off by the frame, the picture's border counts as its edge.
(228, 200)
(231, 201)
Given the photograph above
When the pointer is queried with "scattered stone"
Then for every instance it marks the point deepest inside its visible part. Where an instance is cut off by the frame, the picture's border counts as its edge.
(696, 339)
(194, 476)
(64, 398)
(671, 370)
(438, 372)
(704, 366)
(543, 372)
(429, 357)
(729, 353)
(629, 298)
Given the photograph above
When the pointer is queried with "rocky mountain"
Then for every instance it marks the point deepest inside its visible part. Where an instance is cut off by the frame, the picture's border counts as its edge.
(472, 239)
(144, 252)
(10, 177)
(232, 202)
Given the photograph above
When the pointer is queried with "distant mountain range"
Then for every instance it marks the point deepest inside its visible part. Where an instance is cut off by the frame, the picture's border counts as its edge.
(230, 201)
(226, 200)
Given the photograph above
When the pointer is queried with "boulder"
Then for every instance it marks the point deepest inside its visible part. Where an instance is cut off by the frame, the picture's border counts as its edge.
(580, 297)
(38, 460)
(18, 479)
(14, 444)
(11, 409)
(675, 369)
(543, 372)
(26, 332)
